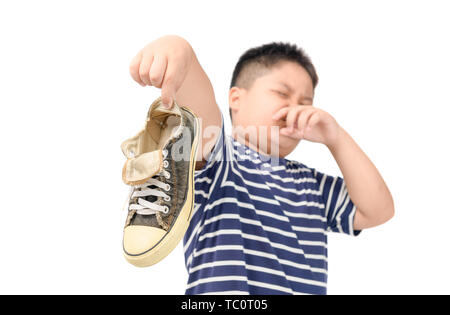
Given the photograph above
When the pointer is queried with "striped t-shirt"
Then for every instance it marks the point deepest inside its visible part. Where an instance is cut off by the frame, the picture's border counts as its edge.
(260, 227)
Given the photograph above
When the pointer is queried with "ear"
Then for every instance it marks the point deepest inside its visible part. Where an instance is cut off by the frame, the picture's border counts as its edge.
(234, 99)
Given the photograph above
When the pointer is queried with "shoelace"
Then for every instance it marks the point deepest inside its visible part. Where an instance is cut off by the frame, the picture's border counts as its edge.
(143, 206)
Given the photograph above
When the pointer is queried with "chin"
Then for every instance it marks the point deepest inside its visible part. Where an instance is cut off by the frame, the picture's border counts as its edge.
(286, 145)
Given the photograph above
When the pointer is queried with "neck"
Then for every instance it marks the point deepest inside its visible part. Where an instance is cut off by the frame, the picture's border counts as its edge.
(245, 141)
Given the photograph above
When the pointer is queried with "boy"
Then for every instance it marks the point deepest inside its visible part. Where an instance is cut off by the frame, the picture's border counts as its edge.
(260, 220)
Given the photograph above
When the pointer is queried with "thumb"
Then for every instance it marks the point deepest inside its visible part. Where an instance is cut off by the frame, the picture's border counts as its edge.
(170, 85)
(168, 90)
(166, 99)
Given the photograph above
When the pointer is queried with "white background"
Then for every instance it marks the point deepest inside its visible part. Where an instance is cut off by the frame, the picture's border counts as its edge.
(67, 101)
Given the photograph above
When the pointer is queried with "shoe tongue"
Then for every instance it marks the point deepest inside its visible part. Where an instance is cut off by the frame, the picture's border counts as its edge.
(138, 170)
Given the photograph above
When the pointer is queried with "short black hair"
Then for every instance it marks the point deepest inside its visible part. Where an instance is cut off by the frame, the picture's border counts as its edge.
(257, 61)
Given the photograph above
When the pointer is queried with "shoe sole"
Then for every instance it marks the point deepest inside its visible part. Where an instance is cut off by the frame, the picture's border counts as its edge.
(176, 233)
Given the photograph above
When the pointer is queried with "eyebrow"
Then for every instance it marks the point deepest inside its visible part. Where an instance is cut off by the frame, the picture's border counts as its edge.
(292, 90)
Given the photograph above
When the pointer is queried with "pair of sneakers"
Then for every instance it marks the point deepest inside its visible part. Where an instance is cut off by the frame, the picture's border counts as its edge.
(159, 169)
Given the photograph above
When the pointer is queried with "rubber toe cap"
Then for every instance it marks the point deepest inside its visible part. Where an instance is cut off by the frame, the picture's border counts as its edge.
(138, 239)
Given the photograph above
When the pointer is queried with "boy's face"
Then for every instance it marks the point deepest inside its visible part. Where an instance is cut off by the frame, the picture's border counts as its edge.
(253, 109)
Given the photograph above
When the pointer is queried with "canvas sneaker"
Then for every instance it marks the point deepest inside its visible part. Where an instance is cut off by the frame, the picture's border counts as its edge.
(159, 169)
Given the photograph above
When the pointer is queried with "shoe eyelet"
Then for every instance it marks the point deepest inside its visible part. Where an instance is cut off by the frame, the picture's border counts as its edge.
(167, 198)
(167, 187)
(166, 209)
(167, 175)
(165, 163)
(165, 152)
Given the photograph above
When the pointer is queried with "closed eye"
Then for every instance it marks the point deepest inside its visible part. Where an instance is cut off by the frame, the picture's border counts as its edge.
(285, 95)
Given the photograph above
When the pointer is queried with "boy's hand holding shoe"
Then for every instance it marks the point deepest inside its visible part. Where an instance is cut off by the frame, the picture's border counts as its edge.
(164, 63)
(161, 180)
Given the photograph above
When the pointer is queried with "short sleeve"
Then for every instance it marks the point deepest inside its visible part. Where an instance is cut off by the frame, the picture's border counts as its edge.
(218, 151)
(339, 208)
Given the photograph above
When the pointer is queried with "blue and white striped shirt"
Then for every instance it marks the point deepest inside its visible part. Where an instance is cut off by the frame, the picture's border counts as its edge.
(260, 227)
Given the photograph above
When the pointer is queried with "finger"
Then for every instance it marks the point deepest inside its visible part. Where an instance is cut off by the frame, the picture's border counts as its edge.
(295, 134)
(303, 118)
(157, 70)
(291, 117)
(170, 85)
(134, 68)
(280, 113)
(144, 68)
(314, 119)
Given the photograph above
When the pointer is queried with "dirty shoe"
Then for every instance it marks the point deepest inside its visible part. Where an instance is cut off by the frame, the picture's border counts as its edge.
(160, 172)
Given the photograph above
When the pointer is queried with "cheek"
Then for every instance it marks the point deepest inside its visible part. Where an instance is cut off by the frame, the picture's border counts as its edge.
(260, 112)
(254, 114)
(267, 109)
